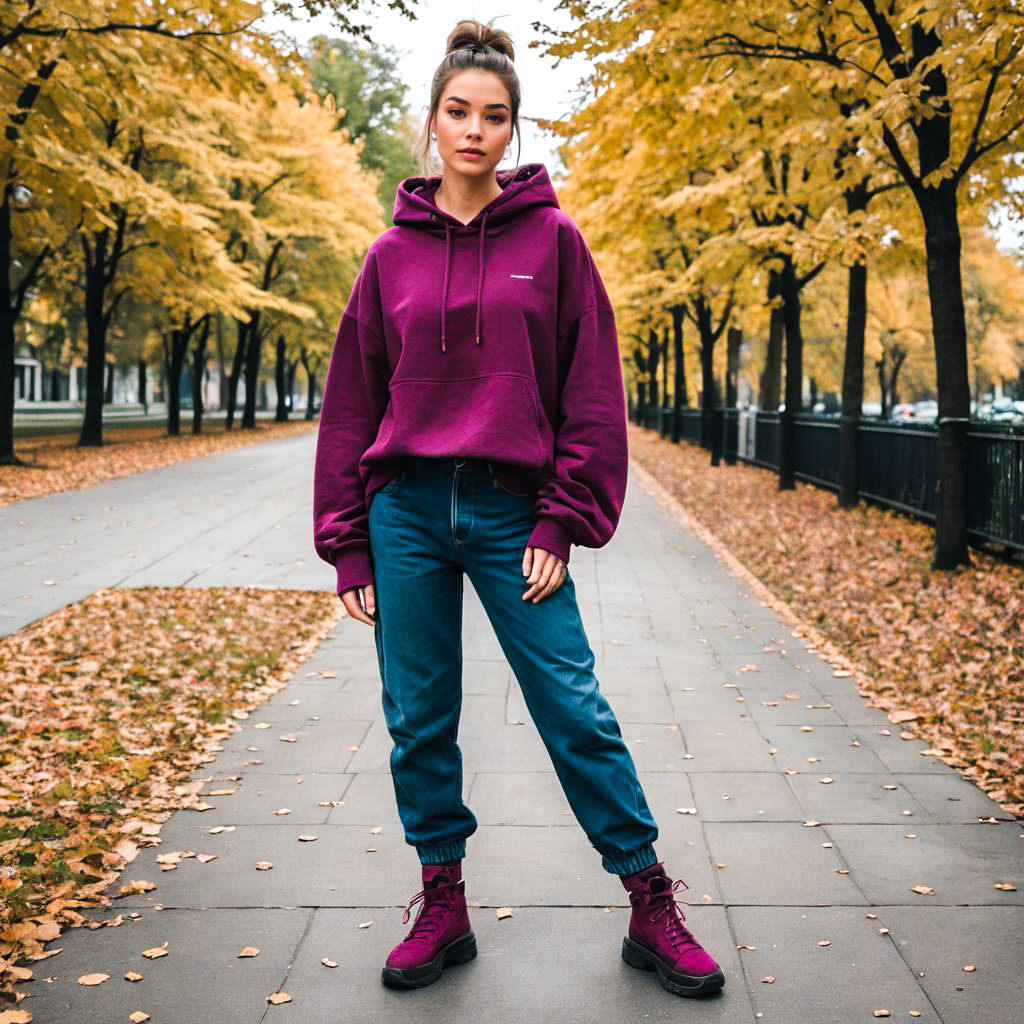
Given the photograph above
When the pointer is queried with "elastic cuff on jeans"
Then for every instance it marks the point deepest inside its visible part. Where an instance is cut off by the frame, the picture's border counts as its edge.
(441, 853)
(629, 862)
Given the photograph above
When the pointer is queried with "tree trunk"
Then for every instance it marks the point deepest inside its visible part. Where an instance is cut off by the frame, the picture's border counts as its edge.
(652, 366)
(222, 383)
(96, 346)
(771, 378)
(310, 392)
(734, 339)
(252, 373)
(853, 386)
(8, 318)
(679, 398)
(794, 376)
(179, 343)
(281, 381)
(198, 371)
(142, 386)
(7, 456)
(706, 335)
(242, 335)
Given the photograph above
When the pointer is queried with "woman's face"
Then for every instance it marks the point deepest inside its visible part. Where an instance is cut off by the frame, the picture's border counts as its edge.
(475, 112)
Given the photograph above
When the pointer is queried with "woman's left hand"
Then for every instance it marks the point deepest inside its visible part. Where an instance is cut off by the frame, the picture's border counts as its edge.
(546, 572)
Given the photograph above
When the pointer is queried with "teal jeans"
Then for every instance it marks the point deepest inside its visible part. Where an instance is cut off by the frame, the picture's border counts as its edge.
(436, 520)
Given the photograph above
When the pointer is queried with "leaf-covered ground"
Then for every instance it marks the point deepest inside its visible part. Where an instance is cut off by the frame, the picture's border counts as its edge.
(948, 647)
(56, 463)
(106, 706)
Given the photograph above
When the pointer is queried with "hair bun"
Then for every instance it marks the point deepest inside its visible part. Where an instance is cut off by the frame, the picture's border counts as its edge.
(470, 34)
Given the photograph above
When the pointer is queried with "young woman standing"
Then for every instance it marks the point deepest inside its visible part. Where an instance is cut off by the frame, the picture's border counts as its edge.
(473, 422)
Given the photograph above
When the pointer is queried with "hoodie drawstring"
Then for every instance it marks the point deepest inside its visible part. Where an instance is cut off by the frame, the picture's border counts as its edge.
(480, 273)
(444, 296)
(447, 273)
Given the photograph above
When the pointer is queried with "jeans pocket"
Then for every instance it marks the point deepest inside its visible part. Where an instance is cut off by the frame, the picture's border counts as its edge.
(395, 482)
(498, 486)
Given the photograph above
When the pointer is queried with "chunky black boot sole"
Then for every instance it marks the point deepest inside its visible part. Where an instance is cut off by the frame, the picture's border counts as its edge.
(672, 981)
(456, 952)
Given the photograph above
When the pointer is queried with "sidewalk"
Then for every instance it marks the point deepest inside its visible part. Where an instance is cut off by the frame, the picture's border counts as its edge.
(670, 628)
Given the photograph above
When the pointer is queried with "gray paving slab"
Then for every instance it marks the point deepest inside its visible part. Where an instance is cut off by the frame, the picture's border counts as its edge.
(779, 864)
(937, 942)
(857, 973)
(669, 628)
(201, 978)
(960, 862)
(522, 972)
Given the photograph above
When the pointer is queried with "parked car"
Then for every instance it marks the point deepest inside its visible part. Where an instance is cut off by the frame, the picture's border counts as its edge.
(901, 412)
(926, 411)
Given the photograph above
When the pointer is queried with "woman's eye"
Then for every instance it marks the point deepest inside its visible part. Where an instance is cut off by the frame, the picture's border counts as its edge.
(495, 118)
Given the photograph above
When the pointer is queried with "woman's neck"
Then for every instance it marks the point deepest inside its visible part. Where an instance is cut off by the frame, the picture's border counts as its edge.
(464, 197)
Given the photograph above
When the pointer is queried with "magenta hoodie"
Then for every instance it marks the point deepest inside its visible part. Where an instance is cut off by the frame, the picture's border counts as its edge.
(493, 339)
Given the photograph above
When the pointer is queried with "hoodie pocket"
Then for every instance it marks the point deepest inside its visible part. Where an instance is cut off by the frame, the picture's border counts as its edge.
(494, 416)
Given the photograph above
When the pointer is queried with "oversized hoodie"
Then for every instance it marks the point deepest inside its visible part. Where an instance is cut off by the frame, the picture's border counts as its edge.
(493, 339)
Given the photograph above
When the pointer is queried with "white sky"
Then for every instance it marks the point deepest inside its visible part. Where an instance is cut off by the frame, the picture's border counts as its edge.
(547, 91)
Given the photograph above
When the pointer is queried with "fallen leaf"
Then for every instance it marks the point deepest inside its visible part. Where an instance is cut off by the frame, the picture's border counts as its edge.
(899, 717)
(250, 951)
(502, 912)
(365, 924)
(768, 979)
(155, 951)
(305, 837)
(264, 865)
(137, 1017)
(882, 1013)
(329, 963)
(824, 942)
(279, 997)
(923, 890)
(133, 976)
(1005, 887)
(93, 979)
(970, 968)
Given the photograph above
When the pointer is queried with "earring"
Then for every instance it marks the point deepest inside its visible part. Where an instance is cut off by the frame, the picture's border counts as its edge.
(508, 151)
(433, 135)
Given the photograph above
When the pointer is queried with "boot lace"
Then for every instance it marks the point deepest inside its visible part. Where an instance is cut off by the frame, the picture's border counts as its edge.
(434, 902)
(666, 908)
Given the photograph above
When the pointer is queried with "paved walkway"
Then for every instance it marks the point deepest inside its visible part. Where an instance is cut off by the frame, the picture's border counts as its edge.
(673, 634)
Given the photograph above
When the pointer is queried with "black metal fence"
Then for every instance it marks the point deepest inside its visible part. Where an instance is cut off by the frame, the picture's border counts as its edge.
(896, 463)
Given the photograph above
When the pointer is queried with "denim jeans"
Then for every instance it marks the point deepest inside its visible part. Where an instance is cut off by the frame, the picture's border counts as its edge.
(437, 519)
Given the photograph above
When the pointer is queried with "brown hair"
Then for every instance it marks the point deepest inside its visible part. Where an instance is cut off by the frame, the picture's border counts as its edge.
(471, 44)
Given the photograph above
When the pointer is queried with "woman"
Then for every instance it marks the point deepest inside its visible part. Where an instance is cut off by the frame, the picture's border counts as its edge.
(473, 421)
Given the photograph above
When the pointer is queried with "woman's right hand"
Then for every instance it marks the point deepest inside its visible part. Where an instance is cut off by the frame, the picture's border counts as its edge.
(364, 611)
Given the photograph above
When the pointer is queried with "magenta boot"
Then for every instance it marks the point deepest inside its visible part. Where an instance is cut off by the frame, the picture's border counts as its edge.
(658, 939)
(440, 935)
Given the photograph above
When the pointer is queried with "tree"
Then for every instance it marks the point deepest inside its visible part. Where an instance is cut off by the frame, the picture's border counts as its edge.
(940, 84)
(44, 157)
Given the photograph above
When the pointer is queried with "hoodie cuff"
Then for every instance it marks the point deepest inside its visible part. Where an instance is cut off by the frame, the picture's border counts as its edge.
(552, 536)
(353, 568)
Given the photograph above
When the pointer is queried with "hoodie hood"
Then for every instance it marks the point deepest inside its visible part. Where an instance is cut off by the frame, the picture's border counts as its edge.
(522, 189)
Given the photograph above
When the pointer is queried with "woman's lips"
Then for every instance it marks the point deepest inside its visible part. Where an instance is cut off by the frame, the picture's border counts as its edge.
(469, 154)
